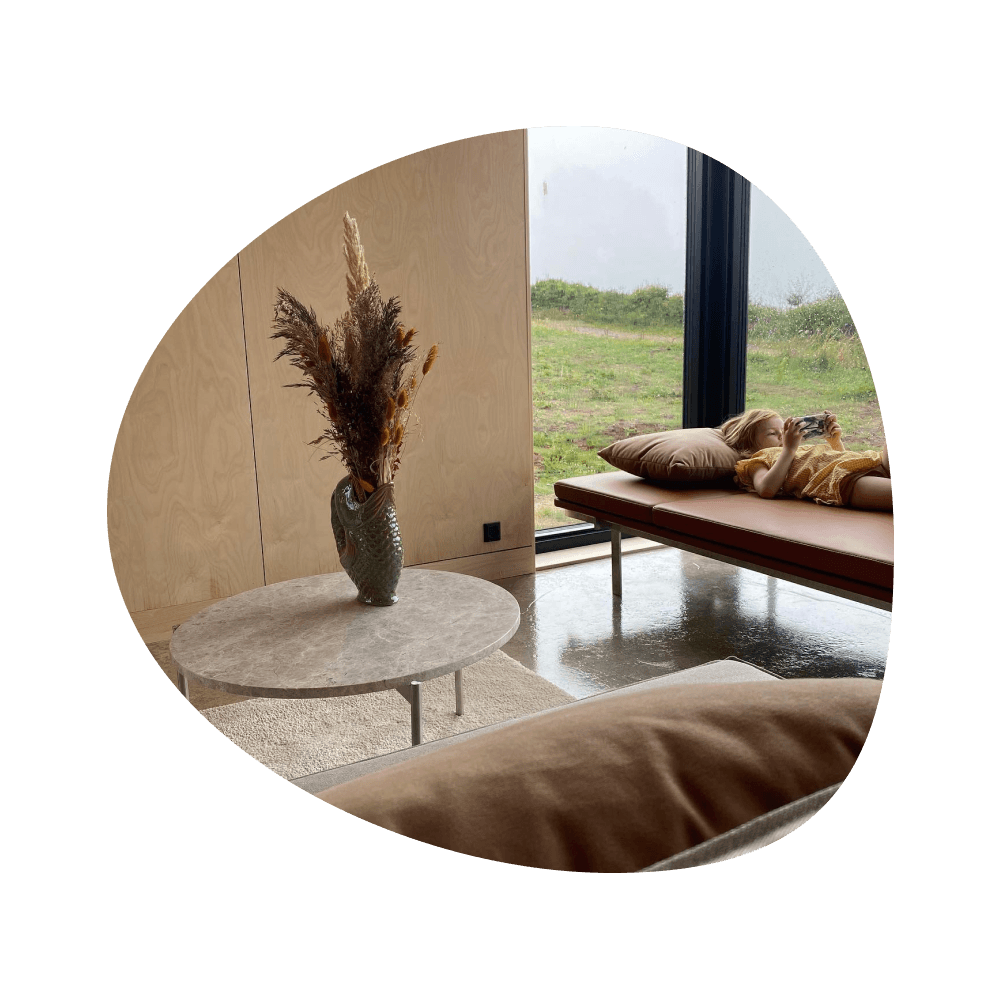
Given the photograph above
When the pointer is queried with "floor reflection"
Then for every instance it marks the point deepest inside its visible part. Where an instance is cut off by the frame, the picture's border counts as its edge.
(679, 610)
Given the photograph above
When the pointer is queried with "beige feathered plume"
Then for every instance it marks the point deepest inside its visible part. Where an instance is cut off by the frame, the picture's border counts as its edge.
(357, 269)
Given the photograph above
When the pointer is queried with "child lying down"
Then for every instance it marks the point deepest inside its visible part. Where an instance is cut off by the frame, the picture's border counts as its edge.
(775, 462)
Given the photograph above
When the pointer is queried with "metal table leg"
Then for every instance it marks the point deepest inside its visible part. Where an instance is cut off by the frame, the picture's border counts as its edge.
(459, 702)
(411, 692)
(182, 685)
(415, 734)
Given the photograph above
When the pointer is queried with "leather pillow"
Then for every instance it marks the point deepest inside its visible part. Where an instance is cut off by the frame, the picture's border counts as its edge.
(693, 454)
(617, 784)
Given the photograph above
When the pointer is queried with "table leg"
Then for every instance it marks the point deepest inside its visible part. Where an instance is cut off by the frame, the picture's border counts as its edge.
(411, 692)
(182, 685)
(459, 702)
(415, 734)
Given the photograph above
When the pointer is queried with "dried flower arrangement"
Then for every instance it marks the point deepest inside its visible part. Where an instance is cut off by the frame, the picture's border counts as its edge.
(364, 371)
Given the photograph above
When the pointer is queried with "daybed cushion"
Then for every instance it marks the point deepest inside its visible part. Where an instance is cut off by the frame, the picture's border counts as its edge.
(617, 784)
(621, 495)
(691, 454)
(834, 546)
(854, 544)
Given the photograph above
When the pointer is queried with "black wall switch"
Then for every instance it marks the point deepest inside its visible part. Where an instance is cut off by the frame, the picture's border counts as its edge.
(491, 532)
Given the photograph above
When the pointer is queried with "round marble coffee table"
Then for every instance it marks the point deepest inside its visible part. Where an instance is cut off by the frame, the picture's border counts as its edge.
(310, 638)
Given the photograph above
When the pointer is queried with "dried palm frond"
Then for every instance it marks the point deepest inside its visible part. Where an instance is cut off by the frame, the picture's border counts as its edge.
(363, 370)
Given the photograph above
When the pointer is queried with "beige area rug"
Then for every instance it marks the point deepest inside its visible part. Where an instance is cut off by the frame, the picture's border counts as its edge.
(298, 736)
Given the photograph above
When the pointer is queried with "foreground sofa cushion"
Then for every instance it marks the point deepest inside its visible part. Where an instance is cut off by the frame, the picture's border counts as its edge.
(691, 454)
(618, 784)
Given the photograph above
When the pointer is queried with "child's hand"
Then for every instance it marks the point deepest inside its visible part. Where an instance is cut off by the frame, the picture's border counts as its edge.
(832, 428)
(791, 434)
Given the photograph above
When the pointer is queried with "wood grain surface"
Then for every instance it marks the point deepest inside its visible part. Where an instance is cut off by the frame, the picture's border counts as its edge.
(445, 231)
(211, 434)
(182, 498)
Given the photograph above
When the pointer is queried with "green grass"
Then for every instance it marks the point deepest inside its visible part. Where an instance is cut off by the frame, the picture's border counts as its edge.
(824, 317)
(593, 386)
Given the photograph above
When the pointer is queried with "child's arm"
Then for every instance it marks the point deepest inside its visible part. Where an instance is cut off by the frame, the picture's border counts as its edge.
(767, 482)
(833, 432)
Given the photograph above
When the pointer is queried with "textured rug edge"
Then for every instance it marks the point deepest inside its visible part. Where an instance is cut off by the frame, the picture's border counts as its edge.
(297, 737)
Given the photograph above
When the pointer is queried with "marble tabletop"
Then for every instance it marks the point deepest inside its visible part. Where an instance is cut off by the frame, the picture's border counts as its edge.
(310, 638)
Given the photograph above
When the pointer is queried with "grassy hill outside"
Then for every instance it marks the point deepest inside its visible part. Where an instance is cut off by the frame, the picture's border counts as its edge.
(609, 365)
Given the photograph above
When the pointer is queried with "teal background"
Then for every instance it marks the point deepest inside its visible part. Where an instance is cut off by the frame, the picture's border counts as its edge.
(145, 855)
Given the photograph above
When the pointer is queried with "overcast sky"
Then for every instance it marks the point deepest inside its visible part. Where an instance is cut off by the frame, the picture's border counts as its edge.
(607, 208)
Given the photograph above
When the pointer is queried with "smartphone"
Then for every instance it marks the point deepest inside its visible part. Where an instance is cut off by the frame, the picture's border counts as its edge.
(813, 426)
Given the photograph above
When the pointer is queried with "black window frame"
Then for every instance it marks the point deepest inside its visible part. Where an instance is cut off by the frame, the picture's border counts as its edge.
(716, 304)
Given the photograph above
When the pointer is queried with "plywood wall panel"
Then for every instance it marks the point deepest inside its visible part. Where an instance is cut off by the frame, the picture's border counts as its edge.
(182, 499)
(445, 231)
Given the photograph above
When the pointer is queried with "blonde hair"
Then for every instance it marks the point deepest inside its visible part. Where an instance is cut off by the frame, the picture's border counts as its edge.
(740, 432)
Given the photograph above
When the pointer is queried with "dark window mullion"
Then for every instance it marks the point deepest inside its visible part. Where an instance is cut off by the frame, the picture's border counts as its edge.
(569, 536)
(716, 286)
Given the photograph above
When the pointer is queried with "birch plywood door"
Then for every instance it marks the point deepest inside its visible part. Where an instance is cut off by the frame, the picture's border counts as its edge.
(182, 498)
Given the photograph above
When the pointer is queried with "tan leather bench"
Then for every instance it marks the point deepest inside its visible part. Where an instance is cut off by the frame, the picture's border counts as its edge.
(838, 550)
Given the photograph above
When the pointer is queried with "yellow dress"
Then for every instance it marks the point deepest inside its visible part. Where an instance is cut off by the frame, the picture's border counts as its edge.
(817, 472)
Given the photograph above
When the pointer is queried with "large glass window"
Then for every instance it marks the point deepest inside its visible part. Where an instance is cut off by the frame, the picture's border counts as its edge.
(607, 222)
(803, 350)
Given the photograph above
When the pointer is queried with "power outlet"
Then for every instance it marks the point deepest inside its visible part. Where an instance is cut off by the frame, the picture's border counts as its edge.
(491, 532)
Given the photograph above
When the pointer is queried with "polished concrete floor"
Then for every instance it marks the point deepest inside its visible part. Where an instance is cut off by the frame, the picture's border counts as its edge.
(678, 610)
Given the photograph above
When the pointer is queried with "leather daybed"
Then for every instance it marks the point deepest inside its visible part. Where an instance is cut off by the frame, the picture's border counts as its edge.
(677, 771)
(839, 550)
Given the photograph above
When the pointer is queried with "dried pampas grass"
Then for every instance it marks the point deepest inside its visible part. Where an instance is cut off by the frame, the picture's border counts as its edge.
(363, 369)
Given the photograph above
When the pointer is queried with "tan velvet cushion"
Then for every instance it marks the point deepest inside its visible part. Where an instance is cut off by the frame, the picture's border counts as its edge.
(617, 784)
(693, 454)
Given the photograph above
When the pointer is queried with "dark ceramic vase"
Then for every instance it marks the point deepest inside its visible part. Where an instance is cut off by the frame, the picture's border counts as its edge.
(368, 541)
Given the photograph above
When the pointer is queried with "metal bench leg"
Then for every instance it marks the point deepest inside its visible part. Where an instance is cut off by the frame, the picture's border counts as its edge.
(459, 702)
(616, 561)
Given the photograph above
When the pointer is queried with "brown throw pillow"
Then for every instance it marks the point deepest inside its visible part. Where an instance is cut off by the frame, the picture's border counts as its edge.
(693, 454)
(617, 784)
